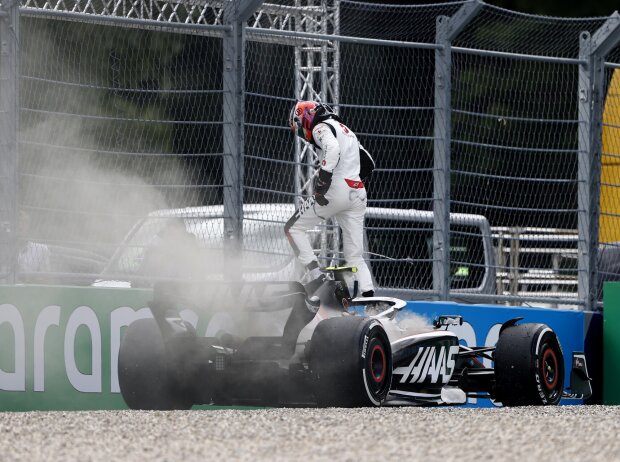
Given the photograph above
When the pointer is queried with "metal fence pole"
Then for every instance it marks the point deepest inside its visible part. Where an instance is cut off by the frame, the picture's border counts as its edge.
(447, 30)
(592, 50)
(233, 110)
(235, 15)
(9, 118)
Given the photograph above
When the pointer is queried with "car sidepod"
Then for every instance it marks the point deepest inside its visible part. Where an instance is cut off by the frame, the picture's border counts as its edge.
(423, 365)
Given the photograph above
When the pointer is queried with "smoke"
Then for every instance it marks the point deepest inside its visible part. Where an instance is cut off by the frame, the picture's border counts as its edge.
(98, 173)
(407, 324)
(414, 323)
(93, 160)
(103, 159)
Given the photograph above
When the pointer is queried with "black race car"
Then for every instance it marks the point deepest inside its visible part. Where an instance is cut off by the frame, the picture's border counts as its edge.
(330, 350)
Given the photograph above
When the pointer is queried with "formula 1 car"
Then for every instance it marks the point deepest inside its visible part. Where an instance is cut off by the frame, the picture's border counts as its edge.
(333, 350)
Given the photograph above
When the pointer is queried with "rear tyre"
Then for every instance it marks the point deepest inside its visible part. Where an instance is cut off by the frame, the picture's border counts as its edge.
(145, 375)
(529, 366)
(351, 361)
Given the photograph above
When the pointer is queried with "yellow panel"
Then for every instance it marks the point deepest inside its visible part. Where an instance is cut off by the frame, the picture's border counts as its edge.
(610, 169)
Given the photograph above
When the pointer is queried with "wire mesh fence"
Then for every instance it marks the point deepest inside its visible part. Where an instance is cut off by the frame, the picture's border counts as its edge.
(515, 144)
(134, 115)
(114, 122)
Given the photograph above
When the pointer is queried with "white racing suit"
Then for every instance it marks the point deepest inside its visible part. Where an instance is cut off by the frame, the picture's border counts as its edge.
(339, 154)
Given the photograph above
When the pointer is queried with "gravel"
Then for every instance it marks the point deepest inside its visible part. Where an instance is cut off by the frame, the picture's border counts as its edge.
(538, 433)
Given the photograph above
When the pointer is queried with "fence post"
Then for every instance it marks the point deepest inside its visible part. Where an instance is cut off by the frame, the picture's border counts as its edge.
(592, 52)
(9, 117)
(236, 14)
(447, 30)
(233, 111)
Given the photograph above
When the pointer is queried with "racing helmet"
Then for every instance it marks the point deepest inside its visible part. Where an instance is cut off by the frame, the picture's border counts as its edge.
(305, 114)
(301, 118)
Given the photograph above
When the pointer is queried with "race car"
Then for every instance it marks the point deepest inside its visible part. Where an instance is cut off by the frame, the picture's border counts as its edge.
(333, 349)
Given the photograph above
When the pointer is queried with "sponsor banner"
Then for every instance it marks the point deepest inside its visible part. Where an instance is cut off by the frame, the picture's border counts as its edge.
(481, 324)
(611, 343)
(59, 346)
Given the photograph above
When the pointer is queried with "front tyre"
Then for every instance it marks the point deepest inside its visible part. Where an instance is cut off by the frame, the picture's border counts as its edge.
(529, 366)
(351, 361)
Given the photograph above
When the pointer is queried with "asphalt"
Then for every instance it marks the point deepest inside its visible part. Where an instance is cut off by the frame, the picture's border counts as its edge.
(566, 433)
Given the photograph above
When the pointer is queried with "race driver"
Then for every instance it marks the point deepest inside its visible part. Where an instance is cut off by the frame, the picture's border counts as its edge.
(338, 191)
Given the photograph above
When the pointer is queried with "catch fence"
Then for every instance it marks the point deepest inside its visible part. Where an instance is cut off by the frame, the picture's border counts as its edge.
(495, 134)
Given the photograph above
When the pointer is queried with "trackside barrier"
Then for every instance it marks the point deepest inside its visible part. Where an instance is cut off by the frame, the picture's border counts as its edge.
(59, 345)
(611, 342)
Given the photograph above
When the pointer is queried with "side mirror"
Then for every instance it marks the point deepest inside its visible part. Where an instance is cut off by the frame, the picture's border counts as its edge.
(448, 320)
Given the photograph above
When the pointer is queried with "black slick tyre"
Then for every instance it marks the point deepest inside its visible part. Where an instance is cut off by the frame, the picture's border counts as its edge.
(144, 372)
(351, 361)
(529, 366)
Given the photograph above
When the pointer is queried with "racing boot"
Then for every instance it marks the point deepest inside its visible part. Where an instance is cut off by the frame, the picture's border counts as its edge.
(313, 278)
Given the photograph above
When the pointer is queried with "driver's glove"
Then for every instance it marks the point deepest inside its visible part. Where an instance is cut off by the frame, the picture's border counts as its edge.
(321, 186)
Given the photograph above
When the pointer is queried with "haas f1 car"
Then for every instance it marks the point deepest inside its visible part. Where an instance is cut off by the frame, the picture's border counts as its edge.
(332, 350)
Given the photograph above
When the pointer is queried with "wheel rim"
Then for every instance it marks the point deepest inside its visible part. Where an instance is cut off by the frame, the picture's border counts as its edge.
(549, 368)
(378, 364)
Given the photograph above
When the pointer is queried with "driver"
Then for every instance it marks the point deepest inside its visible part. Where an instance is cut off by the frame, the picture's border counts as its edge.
(338, 190)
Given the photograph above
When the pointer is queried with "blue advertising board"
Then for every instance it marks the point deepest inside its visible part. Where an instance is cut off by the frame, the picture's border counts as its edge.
(481, 324)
